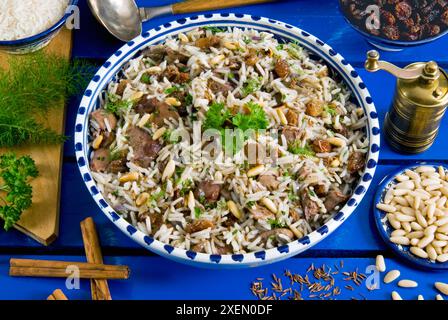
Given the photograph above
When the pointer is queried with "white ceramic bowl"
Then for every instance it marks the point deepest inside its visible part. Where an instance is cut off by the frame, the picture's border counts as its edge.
(108, 72)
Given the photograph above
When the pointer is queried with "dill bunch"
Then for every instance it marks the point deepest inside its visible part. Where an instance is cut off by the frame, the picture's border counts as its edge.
(32, 86)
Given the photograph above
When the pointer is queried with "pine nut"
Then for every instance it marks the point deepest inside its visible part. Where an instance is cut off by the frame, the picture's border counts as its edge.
(442, 173)
(255, 171)
(407, 284)
(407, 185)
(442, 221)
(443, 229)
(159, 133)
(414, 242)
(131, 176)
(401, 178)
(439, 243)
(391, 276)
(400, 240)
(191, 201)
(172, 102)
(415, 226)
(400, 192)
(154, 70)
(269, 204)
(217, 59)
(281, 116)
(183, 38)
(430, 230)
(403, 217)
(97, 142)
(234, 209)
(415, 234)
(394, 223)
(389, 196)
(441, 236)
(425, 241)
(337, 142)
(423, 169)
(406, 226)
(380, 263)
(398, 233)
(386, 207)
(169, 170)
(142, 199)
(439, 297)
(413, 175)
(432, 254)
(442, 258)
(396, 296)
(408, 211)
(144, 120)
(420, 297)
(231, 45)
(421, 219)
(419, 252)
(442, 287)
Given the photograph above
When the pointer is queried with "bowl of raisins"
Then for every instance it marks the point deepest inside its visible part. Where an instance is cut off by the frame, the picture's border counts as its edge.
(393, 25)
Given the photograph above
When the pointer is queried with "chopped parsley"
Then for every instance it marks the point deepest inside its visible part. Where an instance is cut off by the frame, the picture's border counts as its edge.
(116, 105)
(214, 29)
(296, 148)
(188, 99)
(172, 90)
(251, 86)
(247, 40)
(276, 224)
(167, 135)
(330, 110)
(145, 78)
(279, 47)
(220, 118)
(197, 212)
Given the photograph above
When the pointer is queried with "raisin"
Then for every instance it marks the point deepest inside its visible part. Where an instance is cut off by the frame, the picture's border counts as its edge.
(391, 32)
(403, 10)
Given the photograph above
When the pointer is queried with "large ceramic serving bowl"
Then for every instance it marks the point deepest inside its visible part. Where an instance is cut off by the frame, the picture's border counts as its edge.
(111, 67)
(40, 40)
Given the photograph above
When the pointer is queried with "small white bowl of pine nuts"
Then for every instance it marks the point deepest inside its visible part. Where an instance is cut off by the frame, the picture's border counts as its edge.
(411, 213)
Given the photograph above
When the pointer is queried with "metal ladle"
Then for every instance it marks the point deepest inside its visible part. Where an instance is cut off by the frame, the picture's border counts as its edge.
(123, 18)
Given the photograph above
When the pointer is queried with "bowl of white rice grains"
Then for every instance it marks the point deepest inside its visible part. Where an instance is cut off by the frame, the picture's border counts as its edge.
(227, 140)
(29, 25)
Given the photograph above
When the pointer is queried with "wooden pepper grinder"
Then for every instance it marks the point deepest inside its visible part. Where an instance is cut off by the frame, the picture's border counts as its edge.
(421, 99)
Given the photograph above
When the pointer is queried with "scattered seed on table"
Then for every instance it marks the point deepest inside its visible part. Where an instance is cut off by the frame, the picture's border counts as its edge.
(396, 296)
(439, 297)
(442, 287)
(380, 263)
(405, 283)
(420, 297)
(391, 276)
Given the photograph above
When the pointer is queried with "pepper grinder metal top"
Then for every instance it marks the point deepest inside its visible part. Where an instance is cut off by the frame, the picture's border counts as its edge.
(421, 99)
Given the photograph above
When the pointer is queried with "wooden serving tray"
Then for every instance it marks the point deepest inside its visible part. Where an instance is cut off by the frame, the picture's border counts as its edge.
(41, 221)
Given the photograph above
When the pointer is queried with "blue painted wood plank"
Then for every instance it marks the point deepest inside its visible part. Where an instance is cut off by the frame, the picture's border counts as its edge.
(358, 233)
(158, 278)
(321, 18)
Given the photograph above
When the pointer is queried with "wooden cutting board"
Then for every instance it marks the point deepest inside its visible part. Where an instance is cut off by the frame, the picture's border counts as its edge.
(41, 221)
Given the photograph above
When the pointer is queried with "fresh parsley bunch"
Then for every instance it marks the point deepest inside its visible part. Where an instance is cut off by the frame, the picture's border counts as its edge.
(15, 173)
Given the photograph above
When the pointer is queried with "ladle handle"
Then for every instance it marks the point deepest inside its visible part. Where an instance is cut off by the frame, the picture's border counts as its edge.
(204, 5)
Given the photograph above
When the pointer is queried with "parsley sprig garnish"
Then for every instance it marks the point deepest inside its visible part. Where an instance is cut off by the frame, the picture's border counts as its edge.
(15, 173)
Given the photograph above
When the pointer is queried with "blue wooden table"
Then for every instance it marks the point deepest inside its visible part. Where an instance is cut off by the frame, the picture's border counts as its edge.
(356, 242)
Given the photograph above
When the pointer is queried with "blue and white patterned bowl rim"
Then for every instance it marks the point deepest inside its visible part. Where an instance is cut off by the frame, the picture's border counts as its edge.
(385, 229)
(112, 66)
(44, 34)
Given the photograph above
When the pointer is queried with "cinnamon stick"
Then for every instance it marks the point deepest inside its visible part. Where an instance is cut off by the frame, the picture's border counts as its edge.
(99, 287)
(57, 295)
(58, 269)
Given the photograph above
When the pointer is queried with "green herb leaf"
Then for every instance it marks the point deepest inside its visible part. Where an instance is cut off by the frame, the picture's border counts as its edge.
(145, 78)
(255, 119)
(115, 105)
(251, 86)
(214, 29)
(197, 212)
(15, 173)
(172, 90)
(296, 148)
(275, 224)
(330, 110)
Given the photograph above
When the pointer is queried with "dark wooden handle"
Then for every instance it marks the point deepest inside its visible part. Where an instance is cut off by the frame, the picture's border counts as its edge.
(204, 5)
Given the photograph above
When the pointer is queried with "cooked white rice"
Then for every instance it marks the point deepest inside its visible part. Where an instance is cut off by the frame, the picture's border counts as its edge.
(169, 213)
(25, 18)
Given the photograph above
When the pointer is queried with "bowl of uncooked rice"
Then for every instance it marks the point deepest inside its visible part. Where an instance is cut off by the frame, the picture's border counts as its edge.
(227, 146)
(29, 25)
